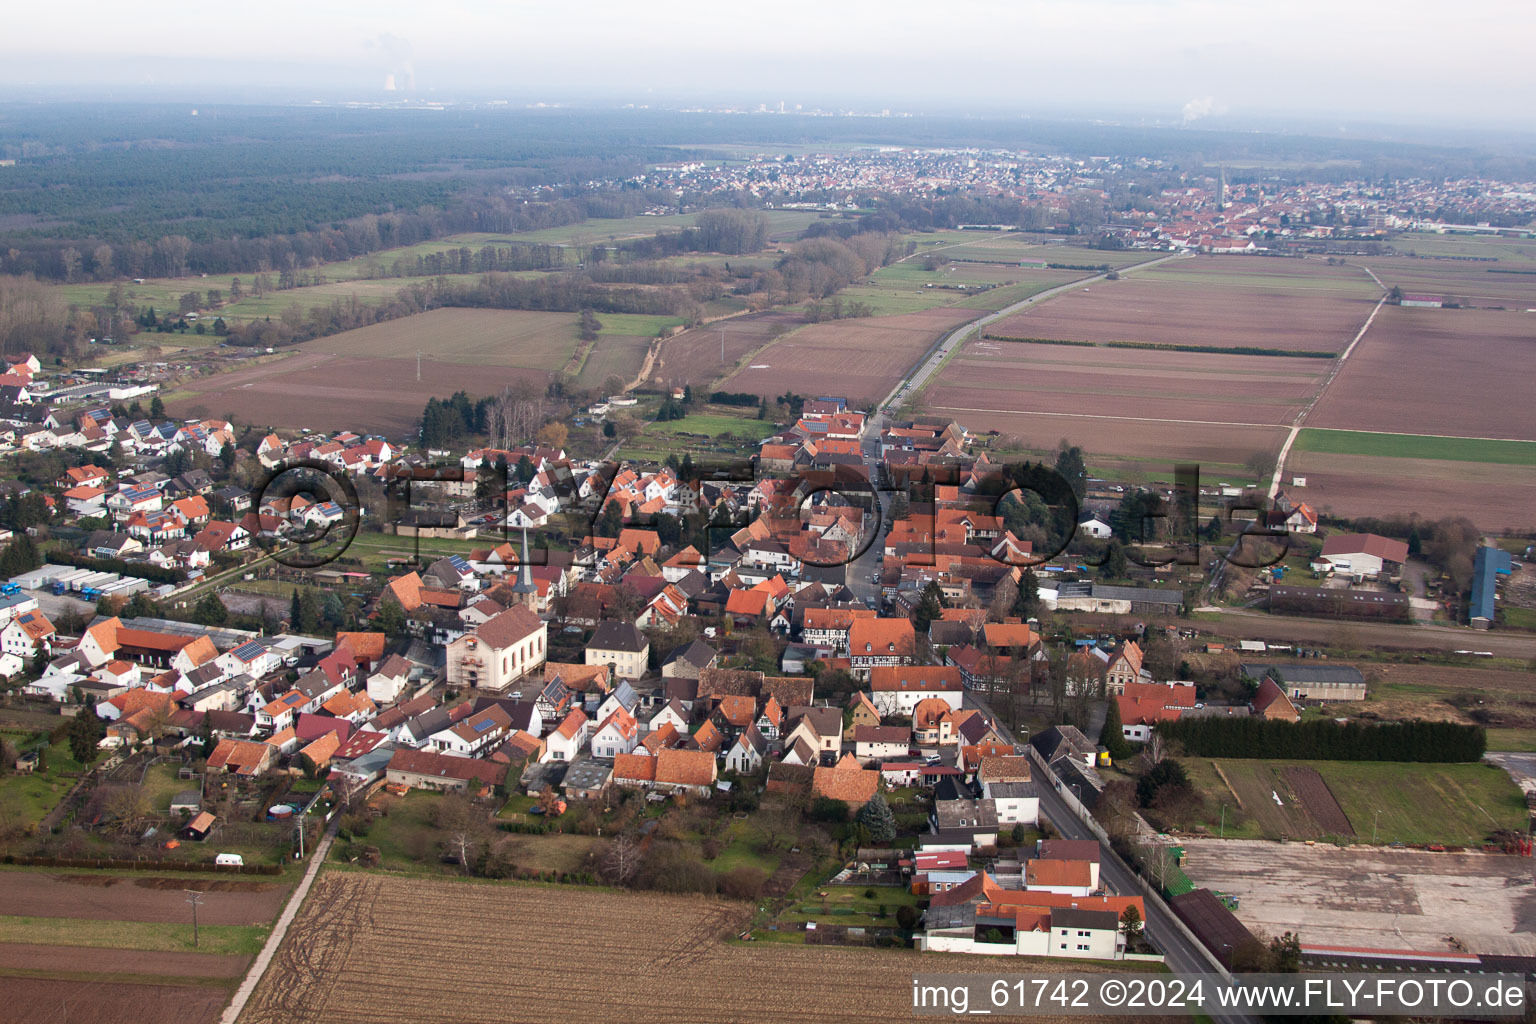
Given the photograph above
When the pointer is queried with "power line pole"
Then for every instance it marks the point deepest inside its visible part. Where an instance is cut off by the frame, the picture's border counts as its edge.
(418, 365)
(195, 898)
(722, 346)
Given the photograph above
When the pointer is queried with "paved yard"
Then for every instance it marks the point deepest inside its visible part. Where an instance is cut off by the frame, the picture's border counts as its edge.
(1373, 896)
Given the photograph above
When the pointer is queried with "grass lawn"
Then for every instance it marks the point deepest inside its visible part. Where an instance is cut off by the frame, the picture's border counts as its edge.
(1417, 803)
(27, 799)
(847, 905)
(1417, 446)
(154, 936)
(636, 323)
(1516, 617)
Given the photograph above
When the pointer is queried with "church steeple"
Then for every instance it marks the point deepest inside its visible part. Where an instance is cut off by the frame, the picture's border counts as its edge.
(526, 592)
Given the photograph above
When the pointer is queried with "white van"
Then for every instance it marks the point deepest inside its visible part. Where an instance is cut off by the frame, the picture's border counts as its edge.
(230, 860)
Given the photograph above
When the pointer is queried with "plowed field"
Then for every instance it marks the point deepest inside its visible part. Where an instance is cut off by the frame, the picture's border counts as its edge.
(389, 949)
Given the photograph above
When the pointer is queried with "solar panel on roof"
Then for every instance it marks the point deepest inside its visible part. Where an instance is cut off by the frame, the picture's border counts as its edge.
(458, 563)
(481, 726)
(249, 650)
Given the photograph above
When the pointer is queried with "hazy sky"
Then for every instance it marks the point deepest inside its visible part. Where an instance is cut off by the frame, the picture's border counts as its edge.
(1402, 60)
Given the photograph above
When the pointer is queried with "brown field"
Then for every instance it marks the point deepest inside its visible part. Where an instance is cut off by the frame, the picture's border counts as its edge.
(331, 392)
(1015, 377)
(1494, 496)
(1234, 300)
(20, 956)
(1255, 784)
(693, 357)
(110, 1001)
(1318, 800)
(1475, 284)
(378, 949)
(621, 354)
(482, 337)
(107, 897)
(1106, 435)
(859, 359)
(1436, 371)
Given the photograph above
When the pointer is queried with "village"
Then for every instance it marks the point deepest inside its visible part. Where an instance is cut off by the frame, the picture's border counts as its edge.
(837, 683)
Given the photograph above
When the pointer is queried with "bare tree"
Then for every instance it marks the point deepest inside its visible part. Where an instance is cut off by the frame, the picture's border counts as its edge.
(622, 861)
(463, 826)
(127, 806)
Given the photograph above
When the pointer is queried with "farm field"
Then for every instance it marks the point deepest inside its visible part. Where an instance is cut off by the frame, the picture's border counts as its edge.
(330, 392)
(662, 957)
(1498, 698)
(1416, 446)
(860, 359)
(1509, 283)
(1127, 404)
(1398, 377)
(1359, 896)
(117, 946)
(1455, 804)
(481, 337)
(693, 357)
(138, 896)
(1217, 301)
(1493, 495)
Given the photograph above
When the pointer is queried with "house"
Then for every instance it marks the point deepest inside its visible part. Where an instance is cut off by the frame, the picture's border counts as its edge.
(820, 728)
(672, 713)
(1085, 850)
(27, 634)
(423, 769)
(863, 713)
(1096, 528)
(1065, 742)
(569, 737)
(688, 661)
(621, 645)
(672, 770)
(616, 734)
(1066, 877)
(933, 723)
(898, 690)
(746, 754)
(241, 757)
(1363, 554)
(1271, 702)
(389, 680)
(497, 654)
(847, 782)
(880, 742)
(1124, 667)
(879, 643)
(475, 733)
(829, 626)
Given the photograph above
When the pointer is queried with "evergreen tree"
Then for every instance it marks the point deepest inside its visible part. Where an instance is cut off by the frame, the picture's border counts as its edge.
(309, 612)
(609, 430)
(1114, 561)
(931, 607)
(390, 619)
(156, 408)
(210, 611)
(1028, 597)
(295, 610)
(1072, 468)
(1113, 736)
(877, 818)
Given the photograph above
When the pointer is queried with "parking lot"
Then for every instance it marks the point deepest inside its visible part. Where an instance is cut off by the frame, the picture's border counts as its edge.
(1374, 897)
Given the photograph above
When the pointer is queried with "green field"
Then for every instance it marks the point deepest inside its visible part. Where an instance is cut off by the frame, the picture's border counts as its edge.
(154, 936)
(1511, 250)
(1416, 446)
(1417, 803)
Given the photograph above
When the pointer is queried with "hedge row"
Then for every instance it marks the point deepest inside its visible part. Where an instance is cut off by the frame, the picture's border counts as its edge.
(1327, 740)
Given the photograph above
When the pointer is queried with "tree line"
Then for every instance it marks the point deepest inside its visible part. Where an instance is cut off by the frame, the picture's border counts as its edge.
(1326, 740)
